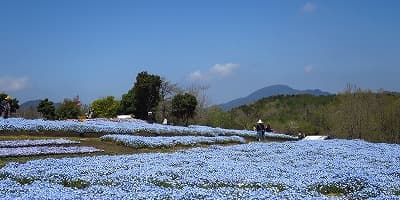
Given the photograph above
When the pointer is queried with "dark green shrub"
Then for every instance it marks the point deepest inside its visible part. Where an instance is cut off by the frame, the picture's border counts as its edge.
(80, 184)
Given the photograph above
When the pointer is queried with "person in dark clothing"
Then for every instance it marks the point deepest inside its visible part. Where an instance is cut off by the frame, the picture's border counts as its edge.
(150, 118)
(260, 130)
(5, 107)
(2, 103)
(268, 129)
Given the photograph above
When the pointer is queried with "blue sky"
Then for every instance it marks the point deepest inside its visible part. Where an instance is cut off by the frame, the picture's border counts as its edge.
(60, 49)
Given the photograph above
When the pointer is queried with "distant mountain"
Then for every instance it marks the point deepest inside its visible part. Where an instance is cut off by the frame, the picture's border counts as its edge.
(29, 104)
(272, 90)
(33, 104)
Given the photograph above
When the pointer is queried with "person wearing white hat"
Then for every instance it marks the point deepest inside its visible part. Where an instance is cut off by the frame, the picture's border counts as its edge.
(5, 107)
(260, 128)
(150, 117)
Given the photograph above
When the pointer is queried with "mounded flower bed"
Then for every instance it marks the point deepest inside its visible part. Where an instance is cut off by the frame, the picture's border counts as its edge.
(45, 150)
(25, 143)
(168, 142)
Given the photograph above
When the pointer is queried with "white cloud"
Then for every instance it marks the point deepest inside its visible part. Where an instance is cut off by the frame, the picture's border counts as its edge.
(224, 69)
(308, 68)
(13, 83)
(195, 76)
(218, 70)
(309, 7)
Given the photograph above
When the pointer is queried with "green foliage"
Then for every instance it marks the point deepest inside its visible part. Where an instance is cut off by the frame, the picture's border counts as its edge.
(288, 114)
(80, 184)
(106, 107)
(3, 96)
(127, 104)
(147, 94)
(366, 115)
(184, 106)
(47, 109)
(143, 97)
(14, 105)
(20, 180)
(292, 127)
(215, 117)
(25, 180)
(4, 175)
(68, 110)
(339, 188)
(166, 184)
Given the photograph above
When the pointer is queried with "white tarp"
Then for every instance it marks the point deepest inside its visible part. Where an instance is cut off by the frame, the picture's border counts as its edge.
(124, 117)
(316, 137)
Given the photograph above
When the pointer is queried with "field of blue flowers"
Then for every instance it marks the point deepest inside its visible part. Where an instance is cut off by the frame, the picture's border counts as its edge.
(350, 169)
(344, 169)
(121, 127)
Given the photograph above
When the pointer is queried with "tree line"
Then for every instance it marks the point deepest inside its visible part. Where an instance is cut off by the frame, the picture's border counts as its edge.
(149, 94)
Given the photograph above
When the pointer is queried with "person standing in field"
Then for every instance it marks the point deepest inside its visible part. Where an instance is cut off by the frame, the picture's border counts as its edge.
(165, 121)
(6, 107)
(150, 118)
(260, 129)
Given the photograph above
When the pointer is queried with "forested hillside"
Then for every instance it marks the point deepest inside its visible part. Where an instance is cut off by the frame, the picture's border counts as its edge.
(354, 113)
(269, 91)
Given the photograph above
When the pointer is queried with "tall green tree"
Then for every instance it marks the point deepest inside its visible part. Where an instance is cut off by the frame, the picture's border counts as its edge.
(14, 105)
(127, 103)
(146, 94)
(105, 107)
(68, 110)
(47, 109)
(184, 106)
